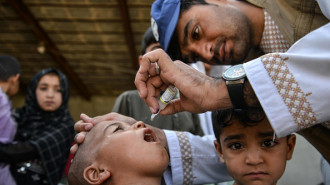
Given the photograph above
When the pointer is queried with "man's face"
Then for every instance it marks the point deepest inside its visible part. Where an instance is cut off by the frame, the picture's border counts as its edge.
(215, 34)
(251, 155)
(124, 148)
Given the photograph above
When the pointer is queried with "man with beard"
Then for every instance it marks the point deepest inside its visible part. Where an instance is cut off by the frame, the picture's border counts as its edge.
(287, 82)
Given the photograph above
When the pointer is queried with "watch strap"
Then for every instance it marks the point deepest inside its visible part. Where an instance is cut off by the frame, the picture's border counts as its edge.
(235, 91)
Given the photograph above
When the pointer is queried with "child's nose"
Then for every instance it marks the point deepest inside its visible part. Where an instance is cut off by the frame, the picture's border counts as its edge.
(139, 124)
(254, 157)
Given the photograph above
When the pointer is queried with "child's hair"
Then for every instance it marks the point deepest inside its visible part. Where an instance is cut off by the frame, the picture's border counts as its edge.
(247, 117)
(147, 40)
(81, 160)
(9, 67)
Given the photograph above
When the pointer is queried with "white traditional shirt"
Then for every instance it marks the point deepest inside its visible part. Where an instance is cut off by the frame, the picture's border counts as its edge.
(293, 87)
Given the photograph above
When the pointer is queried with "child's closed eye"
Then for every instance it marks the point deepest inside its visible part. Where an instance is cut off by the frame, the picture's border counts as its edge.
(118, 128)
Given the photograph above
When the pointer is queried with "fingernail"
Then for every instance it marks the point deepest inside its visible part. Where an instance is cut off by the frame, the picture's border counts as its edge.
(88, 127)
(151, 109)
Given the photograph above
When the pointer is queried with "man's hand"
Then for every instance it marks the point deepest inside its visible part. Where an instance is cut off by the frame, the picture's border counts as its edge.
(198, 92)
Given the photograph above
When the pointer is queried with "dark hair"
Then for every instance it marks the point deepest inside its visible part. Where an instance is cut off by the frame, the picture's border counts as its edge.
(9, 66)
(173, 49)
(147, 40)
(187, 4)
(247, 117)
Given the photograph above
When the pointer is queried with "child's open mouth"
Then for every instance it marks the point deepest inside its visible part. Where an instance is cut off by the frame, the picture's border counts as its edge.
(149, 136)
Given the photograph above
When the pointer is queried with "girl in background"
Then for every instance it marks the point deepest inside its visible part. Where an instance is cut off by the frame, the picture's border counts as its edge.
(45, 131)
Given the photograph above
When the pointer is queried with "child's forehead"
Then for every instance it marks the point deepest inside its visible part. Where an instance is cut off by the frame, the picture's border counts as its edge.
(256, 129)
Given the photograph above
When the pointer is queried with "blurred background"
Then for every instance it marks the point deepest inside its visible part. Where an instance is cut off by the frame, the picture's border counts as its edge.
(96, 43)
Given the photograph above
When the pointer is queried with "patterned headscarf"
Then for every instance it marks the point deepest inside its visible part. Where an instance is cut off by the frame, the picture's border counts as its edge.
(50, 132)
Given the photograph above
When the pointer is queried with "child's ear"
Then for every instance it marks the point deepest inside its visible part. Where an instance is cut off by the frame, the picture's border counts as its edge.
(219, 151)
(291, 144)
(94, 175)
(15, 78)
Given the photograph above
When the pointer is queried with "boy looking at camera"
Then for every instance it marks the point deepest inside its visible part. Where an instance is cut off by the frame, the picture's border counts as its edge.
(246, 143)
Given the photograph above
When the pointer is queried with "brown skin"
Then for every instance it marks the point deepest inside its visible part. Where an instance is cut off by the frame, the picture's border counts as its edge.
(11, 86)
(120, 161)
(48, 93)
(251, 155)
(223, 32)
(86, 124)
(198, 92)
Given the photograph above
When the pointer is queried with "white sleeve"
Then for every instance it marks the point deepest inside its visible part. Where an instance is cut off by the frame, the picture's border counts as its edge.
(294, 87)
(325, 7)
(193, 160)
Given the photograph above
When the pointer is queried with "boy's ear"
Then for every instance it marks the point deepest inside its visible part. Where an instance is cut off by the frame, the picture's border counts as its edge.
(291, 145)
(15, 78)
(219, 151)
(94, 175)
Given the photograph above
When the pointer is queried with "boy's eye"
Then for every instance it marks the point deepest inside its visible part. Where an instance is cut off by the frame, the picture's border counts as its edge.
(236, 146)
(118, 128)
(268, 143)
(195, 34)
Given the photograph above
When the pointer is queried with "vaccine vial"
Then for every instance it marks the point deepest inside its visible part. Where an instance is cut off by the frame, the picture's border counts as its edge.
(166, 97)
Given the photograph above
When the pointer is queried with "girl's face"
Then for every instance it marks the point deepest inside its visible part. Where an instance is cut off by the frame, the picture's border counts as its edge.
(49, 93)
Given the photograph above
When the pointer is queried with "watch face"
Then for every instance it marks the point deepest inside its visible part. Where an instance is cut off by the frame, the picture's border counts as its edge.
(234, 73)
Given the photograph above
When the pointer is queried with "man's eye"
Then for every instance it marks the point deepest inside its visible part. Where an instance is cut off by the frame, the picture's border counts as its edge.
(269, 143)
(236, 146)
(195, 34)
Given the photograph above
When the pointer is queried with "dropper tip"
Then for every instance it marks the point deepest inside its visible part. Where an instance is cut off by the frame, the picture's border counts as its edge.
(152, 116)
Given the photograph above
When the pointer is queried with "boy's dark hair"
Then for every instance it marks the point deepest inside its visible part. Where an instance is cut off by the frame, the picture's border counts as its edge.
(9, 67)
(81, 160)
(173, 49)
(247, 117)
(147, 40)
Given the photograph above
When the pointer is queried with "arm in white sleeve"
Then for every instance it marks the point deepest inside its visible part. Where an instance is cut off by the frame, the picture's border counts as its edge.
(193, 160)
(325, 7)
(294, 87)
